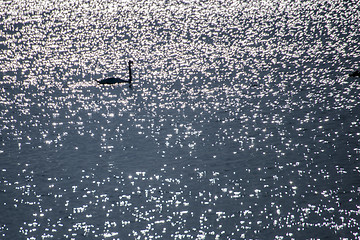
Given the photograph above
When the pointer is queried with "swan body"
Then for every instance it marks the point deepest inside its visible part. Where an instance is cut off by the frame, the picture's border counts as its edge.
(114, 80)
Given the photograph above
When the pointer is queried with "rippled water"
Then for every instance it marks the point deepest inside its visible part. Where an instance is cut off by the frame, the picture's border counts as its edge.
(242, 121)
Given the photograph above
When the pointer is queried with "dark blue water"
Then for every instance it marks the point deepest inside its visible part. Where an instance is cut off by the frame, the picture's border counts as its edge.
(242, 121)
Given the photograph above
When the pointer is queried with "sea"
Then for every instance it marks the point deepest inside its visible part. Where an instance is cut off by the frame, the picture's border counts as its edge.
(241, 121)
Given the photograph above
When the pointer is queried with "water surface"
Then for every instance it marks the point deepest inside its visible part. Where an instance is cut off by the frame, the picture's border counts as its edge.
(242, 122)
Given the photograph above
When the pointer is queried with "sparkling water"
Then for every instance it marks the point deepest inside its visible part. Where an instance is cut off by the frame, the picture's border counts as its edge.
(242, 121)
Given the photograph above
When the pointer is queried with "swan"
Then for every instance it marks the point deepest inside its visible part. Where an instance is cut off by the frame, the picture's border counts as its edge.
(355, 74)
(113, 80)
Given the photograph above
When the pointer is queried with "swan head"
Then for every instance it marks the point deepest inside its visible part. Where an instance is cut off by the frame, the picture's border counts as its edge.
(131, 62)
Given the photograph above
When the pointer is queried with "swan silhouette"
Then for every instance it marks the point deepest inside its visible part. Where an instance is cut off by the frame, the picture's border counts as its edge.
(113, 80)
(355, 74)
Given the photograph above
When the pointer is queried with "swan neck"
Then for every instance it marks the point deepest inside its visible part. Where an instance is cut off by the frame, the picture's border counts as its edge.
(130, 76)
